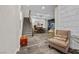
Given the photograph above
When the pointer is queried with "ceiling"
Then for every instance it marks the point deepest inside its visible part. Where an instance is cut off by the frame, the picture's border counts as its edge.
(40, 11)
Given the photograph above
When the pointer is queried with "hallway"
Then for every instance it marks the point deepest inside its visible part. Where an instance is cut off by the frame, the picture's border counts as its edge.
(38, 44)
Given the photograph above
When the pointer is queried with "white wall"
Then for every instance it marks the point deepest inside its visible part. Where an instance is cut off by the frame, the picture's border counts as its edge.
(21, 20)
(67, 18)
(25, 11)
(9, 28)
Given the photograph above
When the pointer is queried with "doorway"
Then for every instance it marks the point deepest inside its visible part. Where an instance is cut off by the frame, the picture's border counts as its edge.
(51, 24)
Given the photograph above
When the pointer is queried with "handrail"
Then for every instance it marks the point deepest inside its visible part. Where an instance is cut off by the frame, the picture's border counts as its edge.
(31, 21)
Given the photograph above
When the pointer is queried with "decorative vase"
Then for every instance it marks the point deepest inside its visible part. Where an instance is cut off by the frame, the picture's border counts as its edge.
(23, 40)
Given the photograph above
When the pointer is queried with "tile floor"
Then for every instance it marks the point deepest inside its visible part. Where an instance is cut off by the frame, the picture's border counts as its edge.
(38, 44)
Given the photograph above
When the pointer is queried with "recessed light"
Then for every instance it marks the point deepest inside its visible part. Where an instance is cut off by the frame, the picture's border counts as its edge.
(43, 7)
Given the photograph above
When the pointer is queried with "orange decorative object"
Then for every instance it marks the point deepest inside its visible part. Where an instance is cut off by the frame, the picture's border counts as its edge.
(23, 40)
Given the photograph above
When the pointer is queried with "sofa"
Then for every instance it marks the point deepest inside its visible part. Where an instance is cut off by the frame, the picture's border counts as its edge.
(60, 41)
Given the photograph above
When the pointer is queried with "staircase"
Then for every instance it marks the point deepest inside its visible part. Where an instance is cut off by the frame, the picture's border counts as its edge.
(27, 27)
